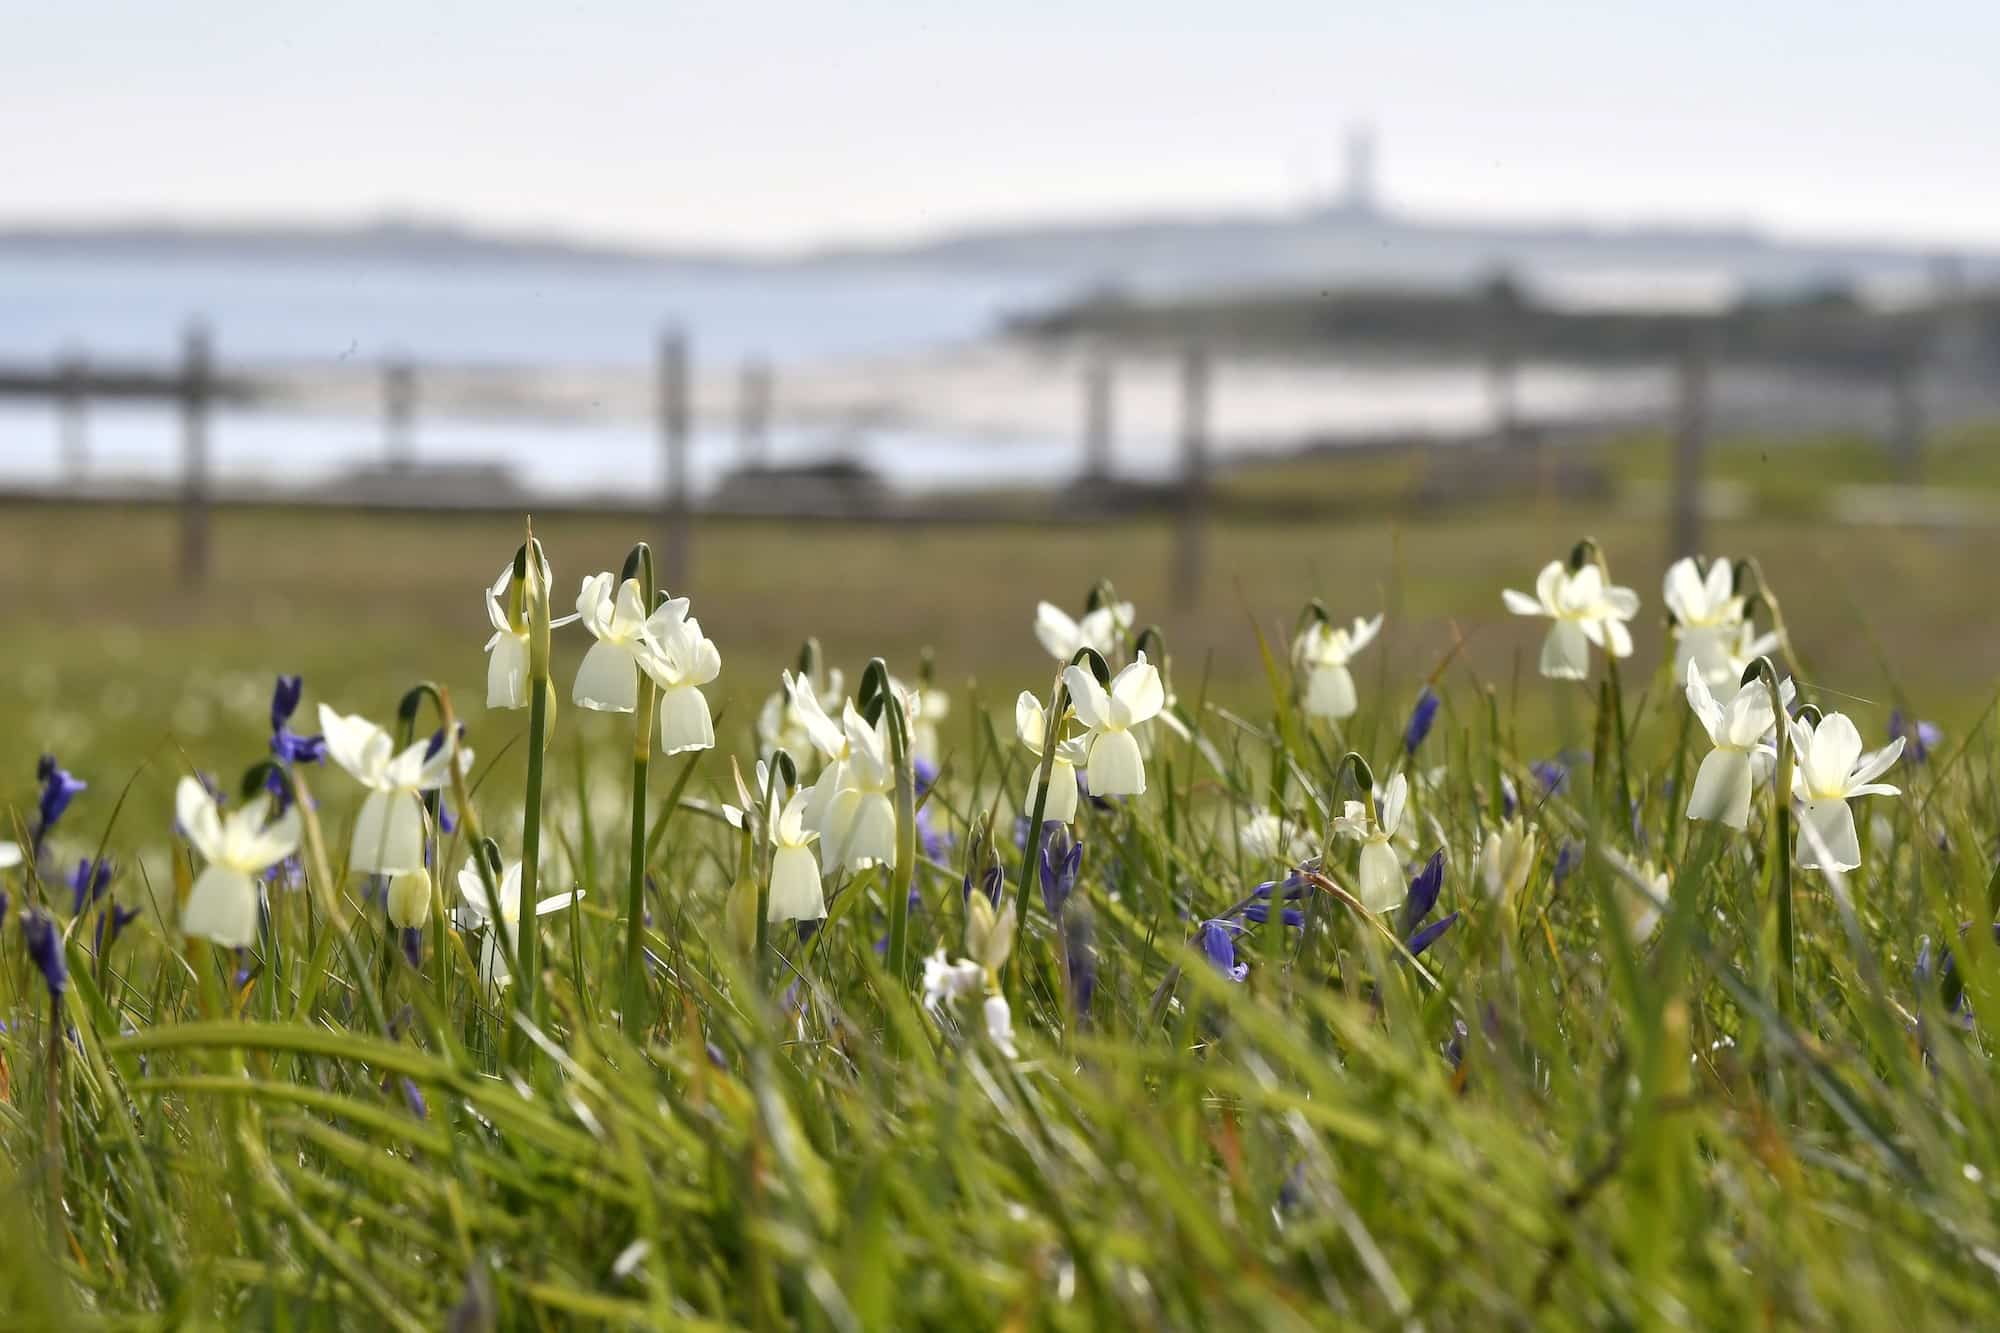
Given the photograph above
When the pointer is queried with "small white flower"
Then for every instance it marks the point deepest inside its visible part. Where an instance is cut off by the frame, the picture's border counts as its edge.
(507, 664)
(616, 616)
(10, 855)
(1645, 890)
(1382, 885)
(780, 726)
(389, 832)
(1828, 771)
(860, 818)
(476, 910)
(1506, 858)
(409, 901)
(796, 894)
(1266, 836)
(1114, 766)
(1723, 783)
(1031, 725)
(945, 981)
(1000, 1025)
(1100, 629)
(1708, 618)
(1321, 655)
(223, 904)
(1585, 611)
(681, 659)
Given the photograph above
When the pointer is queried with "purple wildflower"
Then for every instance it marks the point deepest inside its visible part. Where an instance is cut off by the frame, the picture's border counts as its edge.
(45, 949)
(88, 882)
(1062, 859)
(59, 788)
(288, 745)
(1552, 774)
(1919, 737)
(1424, 890)
(1217, 939)
(1421, 717)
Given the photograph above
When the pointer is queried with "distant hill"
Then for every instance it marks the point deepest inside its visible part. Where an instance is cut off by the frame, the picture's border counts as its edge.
(1345, 247)
(1336, 247)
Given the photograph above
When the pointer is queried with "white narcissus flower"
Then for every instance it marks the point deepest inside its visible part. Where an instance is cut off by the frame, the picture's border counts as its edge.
(409, 900)
(780, 727)
(1382, 884)
(10, 855)
(1647, 887)
(1114, 766)
(389, 832)
(796, 894)
(826, 737)
(1506, 858)
(616, 616)
(478, 910)
(1708, 618)
(1031, 724)
(860, 827)
(1100, 629)
(507, 662)
(945, 981)
(1828, 770)
(238, 847)
(1585, 610)
(1000, 1025)
(927, 707)
(1723, 783)
(681, 660)
(1266, 836)
(1321, 655)
(1747, 646)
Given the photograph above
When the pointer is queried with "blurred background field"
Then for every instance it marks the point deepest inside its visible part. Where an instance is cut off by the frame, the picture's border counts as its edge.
(1289, 324)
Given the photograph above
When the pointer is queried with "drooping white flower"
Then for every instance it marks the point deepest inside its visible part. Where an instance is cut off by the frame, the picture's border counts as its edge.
(781, 727)
(1267, 836)
(1723, 783)
(1506, 858)
(1828, 771)
(945, 981)
(507, 650)
(1708, 617)
(860, 819)
(10, 855)
(680, 659)
(616, 616)
(476, 909)
(1114, 766)
(1381, 882)
(1321, 655)
(1641, 897)
(795, 894)
(830, 741)
(238, 847)
(389, 832)
(1100, 629)
(926, 707)
(409, 900)
(1585, 611)
(1000, 1024)
(1031, 725)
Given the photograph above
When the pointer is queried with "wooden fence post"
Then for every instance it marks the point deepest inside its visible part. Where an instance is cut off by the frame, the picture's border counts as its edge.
(196, 391)
(1503, 357)
(73, 422)
(1690, 444)
(399, 412)
(1188, 554)
(753, 413)
(1906, 413)
(673, 407)
(1097, 416)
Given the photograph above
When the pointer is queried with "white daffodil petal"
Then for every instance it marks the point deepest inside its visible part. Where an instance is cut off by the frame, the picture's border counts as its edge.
(388, 834)
(222, 908)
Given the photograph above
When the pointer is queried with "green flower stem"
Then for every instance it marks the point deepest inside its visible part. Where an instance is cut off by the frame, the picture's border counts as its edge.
(905, 870)
(638, 564)
(528, 977)
(1781, 843)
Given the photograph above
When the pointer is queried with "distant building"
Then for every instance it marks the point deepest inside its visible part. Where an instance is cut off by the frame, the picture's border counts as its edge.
(1356, 196)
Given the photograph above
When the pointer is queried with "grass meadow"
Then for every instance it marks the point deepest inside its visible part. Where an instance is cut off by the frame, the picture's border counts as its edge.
(1654, 1072)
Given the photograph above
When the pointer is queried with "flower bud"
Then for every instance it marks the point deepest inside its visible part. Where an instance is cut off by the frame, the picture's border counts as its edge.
(410, 899)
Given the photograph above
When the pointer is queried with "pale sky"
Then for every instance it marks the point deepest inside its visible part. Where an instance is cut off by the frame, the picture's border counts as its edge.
(774, 125)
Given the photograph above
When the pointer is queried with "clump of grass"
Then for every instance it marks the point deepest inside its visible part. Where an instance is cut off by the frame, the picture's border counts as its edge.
(1210, 1117)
